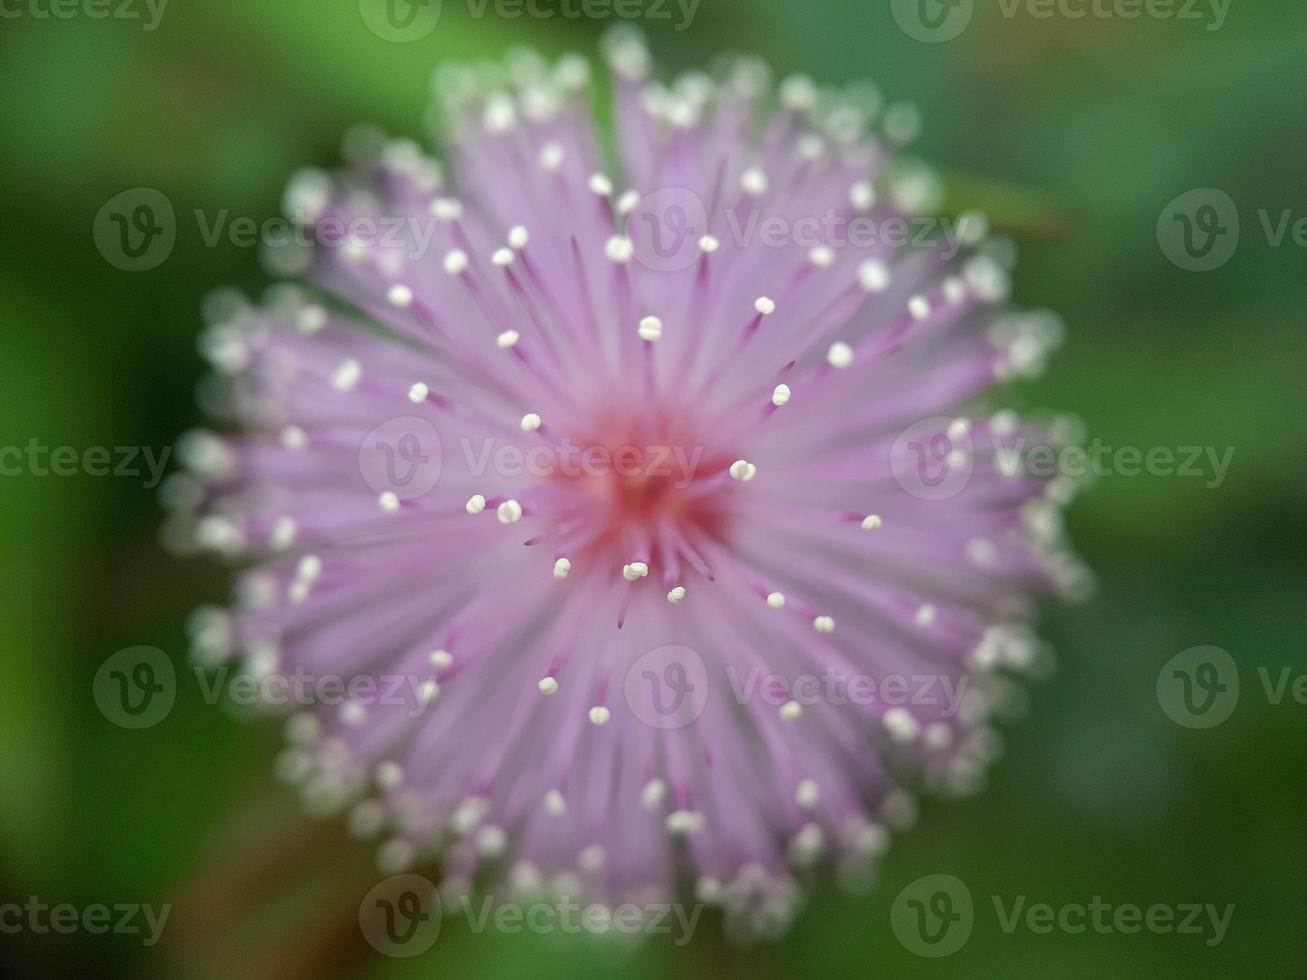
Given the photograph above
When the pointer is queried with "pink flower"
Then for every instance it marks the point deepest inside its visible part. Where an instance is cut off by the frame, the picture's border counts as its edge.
(655, 493)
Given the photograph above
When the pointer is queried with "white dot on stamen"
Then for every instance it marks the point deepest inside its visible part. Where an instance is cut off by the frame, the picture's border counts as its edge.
(780, 395)
(619, 249)
(901, 725)
(388, 774)
(651, 328)
(440, 659)
(651, 796)
(683, 821)
(347, 375)
(353, 713)
(309, 568)
(293, 438)
(955, 290)
(873, 276)
(555, 803)
(807, 795)
(475, 504)
(824, 624)
(798, 93)
(764, 305)
(862, 195)
(981, 551)
(283, 533)
(491, 841)
(754, 182)
(776, 600)
(428, 691)
(551, 156)
(635, 570)
(503, 257)
(626, 203)
(507, 339)
(509, 512)
(592, 858)
(743, 471)
(925, 615)
(548, 685)
(938, 735)
(958, 430)
(518, 237)
(455, 262)
(311, 319)
(418, 393)
(399, 295)
(531, 422)
(599, 715)
(791, 710)
(871, 522)
(561, 568)
(676, 594)
(823, 256)
(389, 502)
(839, 355)
(919, 307)
(601, 185)
(708, 244)
(447, 209)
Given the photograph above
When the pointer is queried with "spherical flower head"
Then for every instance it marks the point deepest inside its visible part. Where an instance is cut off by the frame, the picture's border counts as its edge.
(645, 552)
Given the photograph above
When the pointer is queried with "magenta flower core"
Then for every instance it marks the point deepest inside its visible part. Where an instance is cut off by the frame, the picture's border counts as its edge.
(629, 524)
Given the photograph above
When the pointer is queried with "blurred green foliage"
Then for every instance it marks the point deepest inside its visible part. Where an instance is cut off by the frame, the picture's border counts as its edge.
(1079, 132)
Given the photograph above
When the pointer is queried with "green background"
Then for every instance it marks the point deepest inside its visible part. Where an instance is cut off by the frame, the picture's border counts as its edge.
(1075, 133)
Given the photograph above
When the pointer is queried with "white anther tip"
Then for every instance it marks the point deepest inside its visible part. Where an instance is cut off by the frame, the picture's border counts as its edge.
(743, 471)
